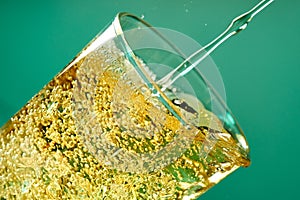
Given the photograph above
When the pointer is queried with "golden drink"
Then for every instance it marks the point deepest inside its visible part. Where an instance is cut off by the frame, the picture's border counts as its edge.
(96, 132)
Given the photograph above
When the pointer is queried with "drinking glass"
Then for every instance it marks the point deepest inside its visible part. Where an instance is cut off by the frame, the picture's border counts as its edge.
(105, 128)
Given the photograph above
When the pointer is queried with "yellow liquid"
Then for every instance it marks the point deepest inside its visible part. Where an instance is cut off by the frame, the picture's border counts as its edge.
(95, 132)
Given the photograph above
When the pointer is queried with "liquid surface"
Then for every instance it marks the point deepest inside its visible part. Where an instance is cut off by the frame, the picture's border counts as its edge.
(95, 131)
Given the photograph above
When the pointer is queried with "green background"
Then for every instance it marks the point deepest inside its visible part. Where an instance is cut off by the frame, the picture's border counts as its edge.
(260, 68)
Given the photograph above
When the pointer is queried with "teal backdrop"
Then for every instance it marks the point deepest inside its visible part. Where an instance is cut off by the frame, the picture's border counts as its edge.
(260, 68)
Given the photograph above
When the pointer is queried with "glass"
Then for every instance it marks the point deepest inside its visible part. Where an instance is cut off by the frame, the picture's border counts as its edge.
(104, 128)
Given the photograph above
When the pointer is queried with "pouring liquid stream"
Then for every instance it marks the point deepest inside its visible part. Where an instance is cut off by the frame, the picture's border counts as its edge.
(236, 26)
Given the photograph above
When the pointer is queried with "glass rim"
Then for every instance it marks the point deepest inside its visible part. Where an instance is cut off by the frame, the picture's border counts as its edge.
(120, 32)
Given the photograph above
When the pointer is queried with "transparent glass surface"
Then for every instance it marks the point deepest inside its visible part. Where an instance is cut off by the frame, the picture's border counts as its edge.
(103, 128)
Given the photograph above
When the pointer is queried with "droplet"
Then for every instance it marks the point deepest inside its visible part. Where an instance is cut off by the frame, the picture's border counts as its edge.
(142, 16)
